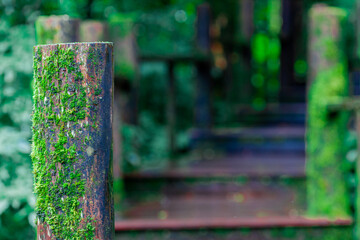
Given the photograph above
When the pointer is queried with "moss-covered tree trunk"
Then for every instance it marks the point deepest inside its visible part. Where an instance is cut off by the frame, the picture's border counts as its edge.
(72, 140)
(328, 81)
(57, 29)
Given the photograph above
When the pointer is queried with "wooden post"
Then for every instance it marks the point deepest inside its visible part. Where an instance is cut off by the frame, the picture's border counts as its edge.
(171, 111)
(202, 102)
(72, 140)
(93, 31)
(126, 62)
(357, 33)
(287, 56)
(328, 80)
(57, 29)
(246, 20)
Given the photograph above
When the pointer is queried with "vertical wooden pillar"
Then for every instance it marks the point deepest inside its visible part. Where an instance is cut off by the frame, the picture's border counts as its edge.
(246, 20)
(122, 33)
(72, 140)
(287, 57)
(57, 29)
(202, 102)
(171, 111)
(327, 189)
(357, 34)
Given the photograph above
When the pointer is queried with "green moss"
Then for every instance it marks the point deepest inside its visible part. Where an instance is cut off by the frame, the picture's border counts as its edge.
(327, 190)
(58, 183)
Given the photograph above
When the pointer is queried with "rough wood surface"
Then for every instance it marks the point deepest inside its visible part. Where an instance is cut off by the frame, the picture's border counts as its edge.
(72, 140)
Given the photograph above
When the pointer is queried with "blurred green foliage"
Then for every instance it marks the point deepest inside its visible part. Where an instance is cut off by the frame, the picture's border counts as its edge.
(16, 199)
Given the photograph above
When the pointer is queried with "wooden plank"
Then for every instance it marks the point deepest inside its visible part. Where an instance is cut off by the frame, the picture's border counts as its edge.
(276, 132)
(344, 104)
(225, 223)
(245, 165)
(72, 140)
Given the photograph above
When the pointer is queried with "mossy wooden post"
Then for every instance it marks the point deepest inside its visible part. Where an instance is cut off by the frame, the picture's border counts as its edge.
(202, 102)
(57, 29)
(72, 140)
(328, 81)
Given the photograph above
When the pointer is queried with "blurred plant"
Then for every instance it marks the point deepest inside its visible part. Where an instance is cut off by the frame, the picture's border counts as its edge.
(145, 145)
(266, 52)
(16, 198)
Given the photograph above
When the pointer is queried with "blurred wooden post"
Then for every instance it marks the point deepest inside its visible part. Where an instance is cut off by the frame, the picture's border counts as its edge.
(93, 31)
(125, 107)
(57, 29)
(246, 20)
(171, 111)
(126, 67)
(328, 80)
(357, 34)
(202, 102)
(72, 140)
(287, 56)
